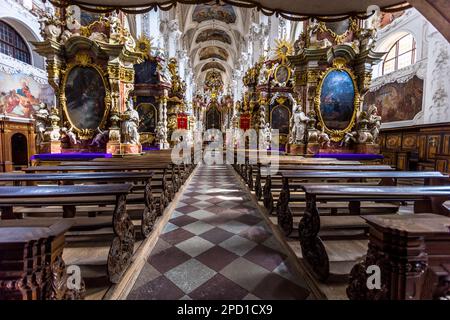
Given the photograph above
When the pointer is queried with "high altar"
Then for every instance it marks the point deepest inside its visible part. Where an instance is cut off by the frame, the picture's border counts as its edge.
(91, 69)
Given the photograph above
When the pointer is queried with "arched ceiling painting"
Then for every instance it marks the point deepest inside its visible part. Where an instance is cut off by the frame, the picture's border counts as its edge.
(213, 65)
(204, 12)
(213, 34)
(213, 52)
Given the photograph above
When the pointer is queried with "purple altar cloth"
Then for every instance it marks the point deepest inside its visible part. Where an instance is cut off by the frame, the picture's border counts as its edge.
(349, 156)
(69, 156)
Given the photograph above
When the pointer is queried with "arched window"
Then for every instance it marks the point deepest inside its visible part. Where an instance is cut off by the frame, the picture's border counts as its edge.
(401, 54)
(12, 44)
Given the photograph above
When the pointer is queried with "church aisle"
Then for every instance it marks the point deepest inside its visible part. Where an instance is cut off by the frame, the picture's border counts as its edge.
(216, 245)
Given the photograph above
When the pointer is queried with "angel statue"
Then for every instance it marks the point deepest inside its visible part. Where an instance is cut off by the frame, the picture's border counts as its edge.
(70, 135)
(350, 137)
(130, 124)
(267, 136)
(374, 122)
(41, 121)
(324, 139)
(297, 125)
(100, 139)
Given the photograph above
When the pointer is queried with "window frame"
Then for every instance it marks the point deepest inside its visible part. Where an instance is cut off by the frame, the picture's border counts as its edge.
(14, 47)
(396, 46)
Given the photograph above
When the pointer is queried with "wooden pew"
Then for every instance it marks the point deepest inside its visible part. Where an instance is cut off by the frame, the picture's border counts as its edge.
(70, 197)
(426, 199)
(298, 180)
(413, 256)
(150, 211)
(31, 263)
(274, 183)
(163, 189)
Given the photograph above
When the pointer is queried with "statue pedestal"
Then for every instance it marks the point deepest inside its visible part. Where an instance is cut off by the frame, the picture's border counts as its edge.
(51, 147)
(369, 148)
(113, 147)
(312, 148)
(127, 148)
(297, 149)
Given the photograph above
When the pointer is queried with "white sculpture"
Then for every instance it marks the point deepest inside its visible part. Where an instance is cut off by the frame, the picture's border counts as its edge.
(50, 27)
(350, 137)
(72, 27)
(130, 124)
(298, 125)
(267, 136)
(263, 74)
(100, 139)
(41, 121)
(115, 26)
(160, 132)
(70, 135)
(324, 139)
(374, 122)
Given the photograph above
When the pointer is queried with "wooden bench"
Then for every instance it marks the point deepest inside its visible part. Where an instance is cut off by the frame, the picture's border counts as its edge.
(31, 263)
(149, 213)
(413, 254)
(274, 182)
(70, 197)
(298, 180)
(165, 189)
(426, 199)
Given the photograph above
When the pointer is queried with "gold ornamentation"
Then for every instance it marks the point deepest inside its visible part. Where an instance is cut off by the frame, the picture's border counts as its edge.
(143, 45)
(283, 49)
(337, 135)
(126, 75)
(281, 100)
(339, 38)
(83, 59)
(312, 76)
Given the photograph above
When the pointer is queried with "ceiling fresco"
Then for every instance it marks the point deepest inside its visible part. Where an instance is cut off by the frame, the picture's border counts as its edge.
(204, 12)
(213, 34)
(213, 65)
(213, 52)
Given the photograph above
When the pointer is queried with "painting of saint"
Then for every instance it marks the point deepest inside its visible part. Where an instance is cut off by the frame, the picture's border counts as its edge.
(147, 117)
(397, 101)
(20, 95)
(280, 119)
(204, 12)
(145, 72)
(85, 95)
(337, 99)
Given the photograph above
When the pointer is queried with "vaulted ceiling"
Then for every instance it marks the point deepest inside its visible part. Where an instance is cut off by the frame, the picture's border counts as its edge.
(213, 35)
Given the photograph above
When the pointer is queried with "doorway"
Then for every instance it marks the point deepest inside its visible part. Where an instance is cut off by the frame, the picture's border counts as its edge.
(19, 150)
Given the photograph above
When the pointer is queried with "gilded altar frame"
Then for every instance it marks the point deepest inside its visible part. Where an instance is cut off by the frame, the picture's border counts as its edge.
(337, 135)
(85, 61)
(280, 102)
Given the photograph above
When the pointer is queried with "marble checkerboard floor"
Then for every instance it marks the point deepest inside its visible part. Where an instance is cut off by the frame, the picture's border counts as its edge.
(217, 245)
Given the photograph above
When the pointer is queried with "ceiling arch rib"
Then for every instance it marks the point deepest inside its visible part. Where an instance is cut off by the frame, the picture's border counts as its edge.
(213, 52)
(213, 65)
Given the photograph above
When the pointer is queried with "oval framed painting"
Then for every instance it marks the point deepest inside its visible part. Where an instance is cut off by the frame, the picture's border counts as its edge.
(282, 74)
(337, 102)
(85, 92)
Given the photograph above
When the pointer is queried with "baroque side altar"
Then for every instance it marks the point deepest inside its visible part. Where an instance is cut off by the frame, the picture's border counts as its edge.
(91, 69)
